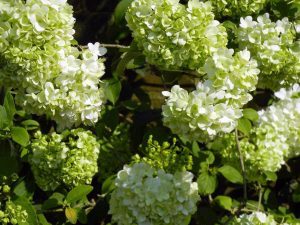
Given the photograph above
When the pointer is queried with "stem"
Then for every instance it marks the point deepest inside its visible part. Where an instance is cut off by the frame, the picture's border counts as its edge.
(114, 46)
(108, 46)
(242, 167)
(260, 197)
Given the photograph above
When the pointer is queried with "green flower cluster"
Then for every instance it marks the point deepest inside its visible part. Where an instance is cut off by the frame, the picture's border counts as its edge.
(116, 149)
(143, 196)
(67, 159)
(168, 157)
(234, 8)
(274, 47)
(175, 36)
(255, 218)
(48, 75)
(13, 214)
(10, 213)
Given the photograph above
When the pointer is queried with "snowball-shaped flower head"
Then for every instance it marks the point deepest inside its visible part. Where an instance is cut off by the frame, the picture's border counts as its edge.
(173, 35)
(273, 46)
(48, 75)
(274, 138)
(201, 114)
(239, 8)
(235, 74)
(255, 218)
(283, 118)
(144, 197)
(67, 159)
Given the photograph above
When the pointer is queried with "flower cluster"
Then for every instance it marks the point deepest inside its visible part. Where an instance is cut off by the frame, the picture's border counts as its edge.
(255, 218)
(235, 74)
(141, 197)
(275, 137)
(273, 46)
(67, 159)
(10, 212)
(281, 121)
(169, 157)
(239, 8)
(175, 36)
(215, 106)
(13, 214)
(49, 76)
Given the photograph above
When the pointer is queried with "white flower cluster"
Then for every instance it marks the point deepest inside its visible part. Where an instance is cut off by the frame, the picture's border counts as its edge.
(274, 139)
(175, 36)
(37, 59)
(67, 159)
(279, 125)
(255, 218)
(274, 47)
(215, 106)
(143, 198)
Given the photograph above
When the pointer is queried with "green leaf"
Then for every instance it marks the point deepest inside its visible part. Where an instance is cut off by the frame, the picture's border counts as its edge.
(26, 205)
(55, 200)
(224, 202)
(42, 220)
(231, 174)
(30, 124)
(112, 89)
(271, 175)
(120, 10)
(108, 185)
(207, 183)
(250, 114)
(9, 105)
(244, 125)
(4, 121)
(82, 216)
(24, 188)
(78, 193)
(71, 215)
(254, 205)
(20, 136)
(9, 163)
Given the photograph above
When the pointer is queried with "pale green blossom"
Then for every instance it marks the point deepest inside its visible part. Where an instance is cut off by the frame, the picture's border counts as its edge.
(144, 197)
(274, 47)
(172, 35)
(37, 60)
(234, 8)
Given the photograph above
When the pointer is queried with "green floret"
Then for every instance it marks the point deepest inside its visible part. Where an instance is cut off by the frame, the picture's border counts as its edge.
(67, 159)
(168, 157)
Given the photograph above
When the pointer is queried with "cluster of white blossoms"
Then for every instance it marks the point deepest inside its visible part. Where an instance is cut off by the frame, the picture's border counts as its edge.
(234, 8)
(67, 159)
(174, 36)
(37, 60)
(275, 48)
(280, 122)
(255, 218)
(274, 138)
(145, 197)
(215, 106)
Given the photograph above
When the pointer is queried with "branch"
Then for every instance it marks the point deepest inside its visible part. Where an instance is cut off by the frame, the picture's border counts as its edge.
(114, 46)
(242, 167)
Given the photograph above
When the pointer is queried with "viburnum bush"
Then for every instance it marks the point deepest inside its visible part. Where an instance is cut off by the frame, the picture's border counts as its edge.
(150, 112)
